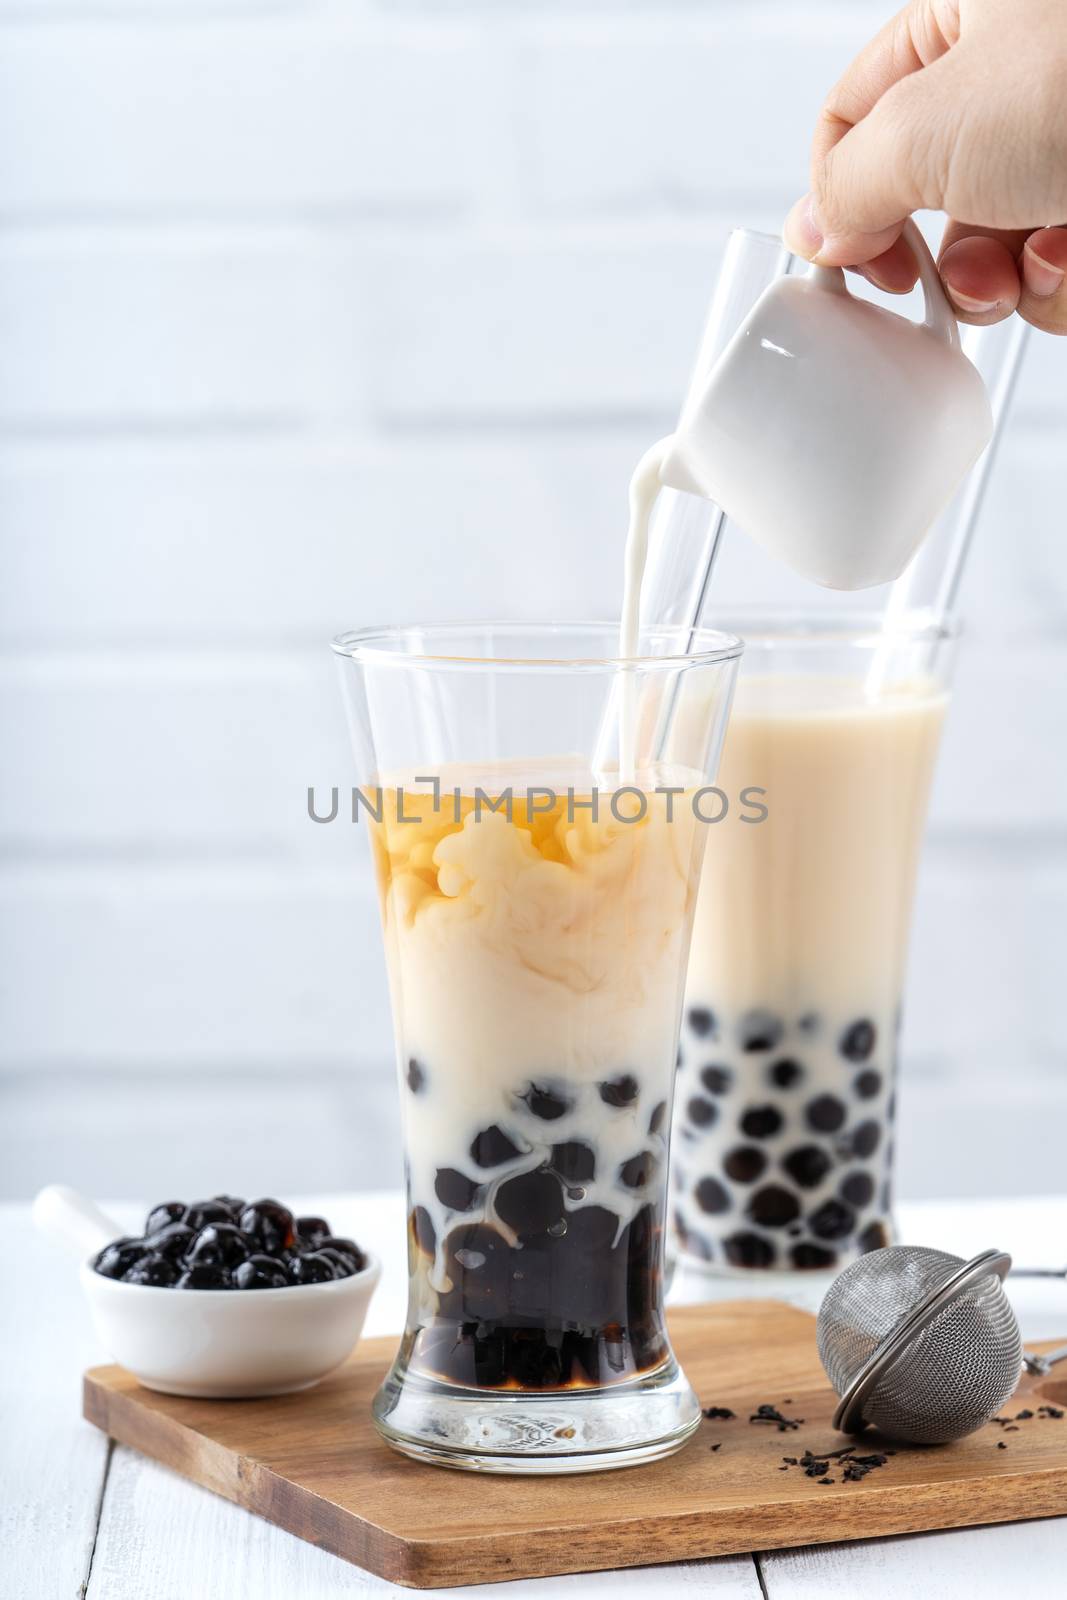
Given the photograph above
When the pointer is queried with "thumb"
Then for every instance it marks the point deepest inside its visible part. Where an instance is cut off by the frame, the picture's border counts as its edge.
(892, 163)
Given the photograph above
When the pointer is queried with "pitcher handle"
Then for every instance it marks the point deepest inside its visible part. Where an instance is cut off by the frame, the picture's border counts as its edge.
(940, 319)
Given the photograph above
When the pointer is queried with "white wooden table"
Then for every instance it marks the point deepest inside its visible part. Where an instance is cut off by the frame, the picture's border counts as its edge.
(78, 1516)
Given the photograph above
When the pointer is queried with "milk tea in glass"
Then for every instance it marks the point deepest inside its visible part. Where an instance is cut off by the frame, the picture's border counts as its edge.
(536, 918)
(784, 1106)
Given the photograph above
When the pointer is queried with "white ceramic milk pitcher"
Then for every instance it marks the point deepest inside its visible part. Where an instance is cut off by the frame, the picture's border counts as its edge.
(833, 431)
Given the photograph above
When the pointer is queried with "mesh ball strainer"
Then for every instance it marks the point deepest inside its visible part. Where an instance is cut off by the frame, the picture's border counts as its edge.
(920, 1344)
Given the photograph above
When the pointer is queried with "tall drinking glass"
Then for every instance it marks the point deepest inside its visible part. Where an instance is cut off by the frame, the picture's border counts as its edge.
(785, 1102)
(536, 918)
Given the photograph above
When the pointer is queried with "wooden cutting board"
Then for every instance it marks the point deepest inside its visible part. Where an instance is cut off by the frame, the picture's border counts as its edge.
(314, 1464)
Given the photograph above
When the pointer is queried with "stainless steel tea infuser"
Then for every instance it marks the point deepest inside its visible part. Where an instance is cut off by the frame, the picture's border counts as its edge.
(923, 1345)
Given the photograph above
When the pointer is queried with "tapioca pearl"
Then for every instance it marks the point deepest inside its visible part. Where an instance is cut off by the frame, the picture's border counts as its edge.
(809, 1023)
(712, 1196)
(858, 1189)
(716, 1080)
(592, 1229)
(761, 1122)
(773, 1207)
(619, 1092)
(477, 1260)
(702, 1022)
(702, 1113)
(748, 1250)
(867, 1083)
(416, 1076)
(658, 1117)
(826, 1113)
(455, 1190)
(547, 1103)
(785, 1073)
(760, 1030)
(531, 1203)
(866, 1138)
(423, 1231)
(744, 1163)
(875, 1236)
(812, 1257)
(574, 1161)
(833, 1220)
(639, 1170)
(807, 1165)
(492, 1147)
(858, 1040)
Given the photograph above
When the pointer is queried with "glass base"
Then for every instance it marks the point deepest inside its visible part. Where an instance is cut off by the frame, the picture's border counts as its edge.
(580, 1430)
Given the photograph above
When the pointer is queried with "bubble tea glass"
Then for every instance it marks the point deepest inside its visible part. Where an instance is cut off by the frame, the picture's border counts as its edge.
(785, 1097)
(536, 921)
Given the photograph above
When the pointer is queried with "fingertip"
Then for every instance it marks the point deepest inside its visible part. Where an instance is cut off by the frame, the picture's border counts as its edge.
(981, 280)
(800, 230)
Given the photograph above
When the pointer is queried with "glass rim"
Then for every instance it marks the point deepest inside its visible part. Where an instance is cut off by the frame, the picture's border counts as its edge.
(790, 628)
(377, 646)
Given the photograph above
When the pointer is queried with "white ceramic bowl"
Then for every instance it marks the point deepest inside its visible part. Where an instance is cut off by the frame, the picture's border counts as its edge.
(219, 1344)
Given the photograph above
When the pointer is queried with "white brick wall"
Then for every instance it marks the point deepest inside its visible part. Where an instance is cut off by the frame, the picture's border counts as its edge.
(315, 311)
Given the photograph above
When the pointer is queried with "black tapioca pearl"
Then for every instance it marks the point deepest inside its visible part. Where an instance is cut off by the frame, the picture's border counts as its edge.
(867, 1083)
(810, 1022)
(744, 1163)
(639, 1170)
(712, 1196)
(477, 1259)
(163, 1215)
(702, 1022)
(658, 1117)
(858, 1040)
(618, 1092)
(858, 1189)
(702, 1112)
(716, 1080)
(592, 1229)
(875, 1236)
(807, 1165)
(492, 1147)
(546, 1103)
(866, 1138)
(574, 1161)
(416, 1076)
(760, 1030)
(154, 1271)
(812, 1257)
(761, 1122)
(531, 1203)
(833, 1220)
(455, 1190)
(785, 1073)
(825, 1113)
(773, 1206)
(748, 1250)
(423, 1231)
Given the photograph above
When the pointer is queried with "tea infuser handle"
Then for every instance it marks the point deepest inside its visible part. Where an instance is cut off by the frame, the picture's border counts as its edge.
(940, 319)
(1040, 1366)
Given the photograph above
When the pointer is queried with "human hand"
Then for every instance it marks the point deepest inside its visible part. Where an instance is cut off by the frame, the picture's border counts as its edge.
(956, 106)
